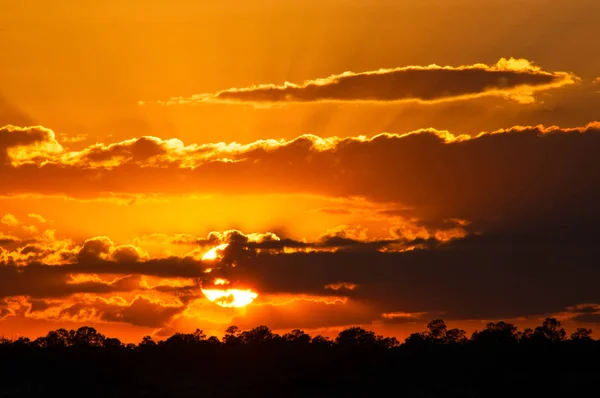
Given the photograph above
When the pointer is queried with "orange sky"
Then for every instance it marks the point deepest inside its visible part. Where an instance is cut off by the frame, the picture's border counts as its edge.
(438, 157)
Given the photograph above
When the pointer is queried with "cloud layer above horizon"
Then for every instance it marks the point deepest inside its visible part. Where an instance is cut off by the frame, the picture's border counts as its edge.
(434, 174)
(513, 210)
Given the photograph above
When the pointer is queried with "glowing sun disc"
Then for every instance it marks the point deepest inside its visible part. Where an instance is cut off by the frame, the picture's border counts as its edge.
(230, 298)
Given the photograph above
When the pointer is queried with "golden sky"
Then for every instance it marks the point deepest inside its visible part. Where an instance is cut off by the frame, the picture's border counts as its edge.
(378, 163)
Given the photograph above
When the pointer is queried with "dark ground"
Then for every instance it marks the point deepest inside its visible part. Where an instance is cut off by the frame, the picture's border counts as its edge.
(497, 362)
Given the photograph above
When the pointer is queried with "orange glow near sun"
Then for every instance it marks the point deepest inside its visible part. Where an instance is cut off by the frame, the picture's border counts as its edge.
(230, 298)
(213, 253)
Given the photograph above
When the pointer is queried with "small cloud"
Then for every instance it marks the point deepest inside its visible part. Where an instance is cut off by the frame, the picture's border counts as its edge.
(402, 317)
(37, 217)
(10, 220)
(341, 285)
(73, 138)
(30, 229)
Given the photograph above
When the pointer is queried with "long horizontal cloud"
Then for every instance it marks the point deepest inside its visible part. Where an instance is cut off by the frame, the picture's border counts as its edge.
(44, 267)
(511, 175)
(89, 308)
(465, 278)
(513, 78)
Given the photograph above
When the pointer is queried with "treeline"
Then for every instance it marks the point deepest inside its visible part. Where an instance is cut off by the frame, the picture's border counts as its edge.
(443, 362)
(437, 333)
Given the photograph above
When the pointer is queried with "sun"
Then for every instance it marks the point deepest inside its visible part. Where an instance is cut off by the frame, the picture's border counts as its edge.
(230, 298)
(213, 253)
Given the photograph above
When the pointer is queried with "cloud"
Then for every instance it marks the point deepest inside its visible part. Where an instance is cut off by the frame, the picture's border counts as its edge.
(407, 317)
(6, 240)
(512, 174)
(11, 306)
(82, 308)
(581, 313)
(9, 219)
(517, 79)
(341, 285)
(463, 279)
(47, 266)
(44, 281)
(37, 217)
(26, 144)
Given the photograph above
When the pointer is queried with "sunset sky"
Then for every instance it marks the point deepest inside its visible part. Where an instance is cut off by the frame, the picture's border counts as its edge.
(173, 165)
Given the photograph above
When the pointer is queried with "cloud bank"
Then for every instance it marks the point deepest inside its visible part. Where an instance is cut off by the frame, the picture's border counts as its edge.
(514, 175)
(461, 279)
(471, 218)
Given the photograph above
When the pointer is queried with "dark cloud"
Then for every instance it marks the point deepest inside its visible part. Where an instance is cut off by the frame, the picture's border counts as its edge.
(496, 276)
(8, 241)
(238, 242)
(516, 78)
(584, 313)
(184, 267)
(38, 139)
(140, 312)
(588, 318)
(397, 318)
(510, 176)
(41, 281)
(5, 309)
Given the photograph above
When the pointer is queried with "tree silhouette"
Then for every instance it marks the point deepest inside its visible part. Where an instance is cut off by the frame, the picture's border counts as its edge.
(582, 334)
(186, 339)
(500, 333)
(526, 335)
(259, 362)
(232, 335)
(147, 341)
(57, 338)
(86, 336)
(355, 337)
(416, 340)
(436, 331)
(456, 336)
(387, 342)
(321, 341)
(258, 335)
(550, 331)
(213, 340)
(297, 336)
